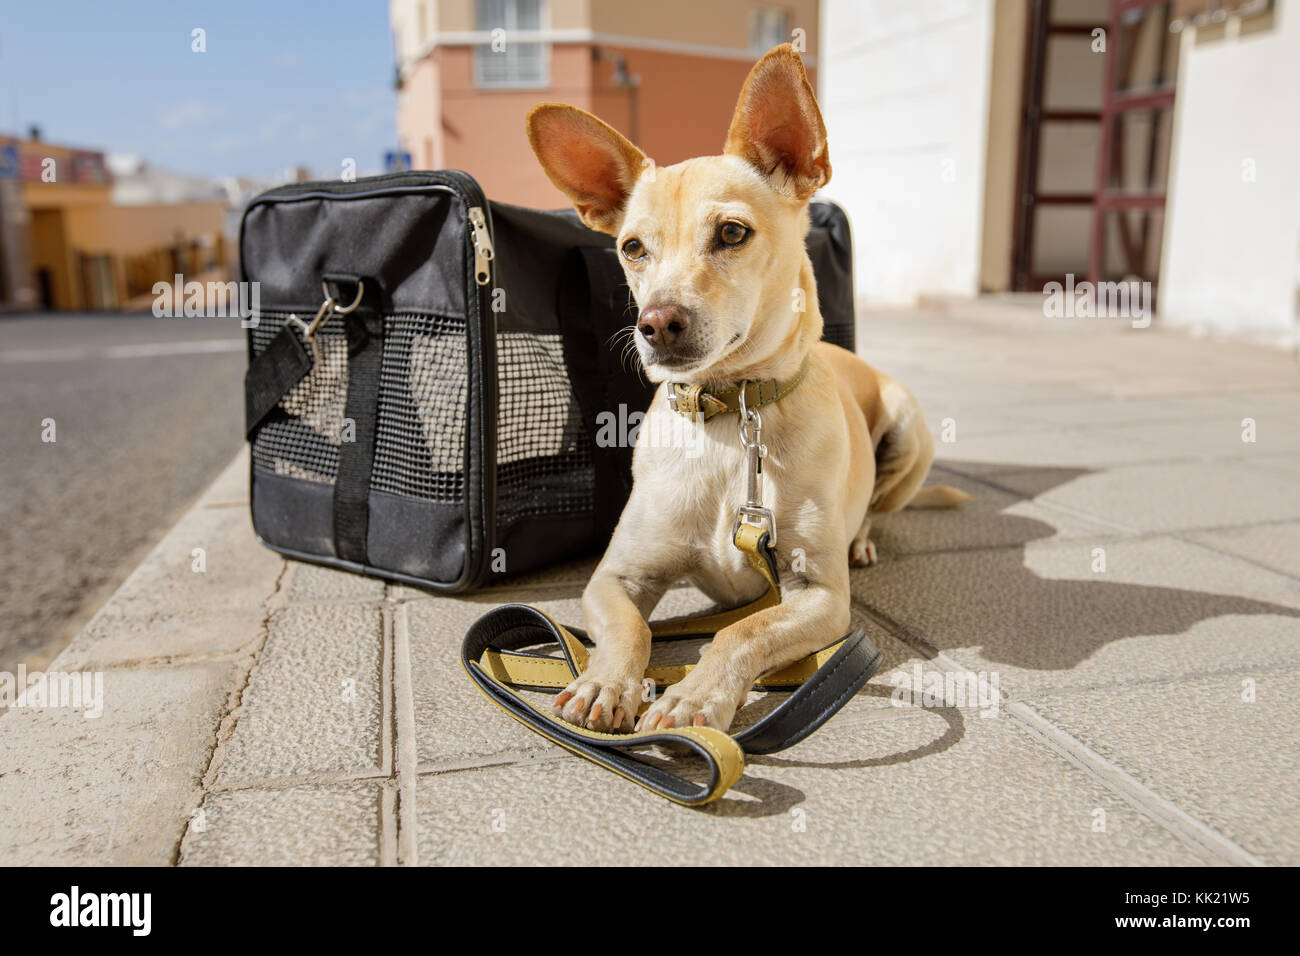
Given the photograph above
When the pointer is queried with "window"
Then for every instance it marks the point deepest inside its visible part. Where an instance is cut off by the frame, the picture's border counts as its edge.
(504, 61)
(768, 27)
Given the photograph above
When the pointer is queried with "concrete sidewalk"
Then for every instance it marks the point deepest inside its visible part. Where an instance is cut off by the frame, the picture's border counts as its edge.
(1128, 574)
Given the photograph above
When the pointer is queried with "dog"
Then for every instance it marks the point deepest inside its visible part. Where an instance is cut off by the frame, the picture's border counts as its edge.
(713, 250)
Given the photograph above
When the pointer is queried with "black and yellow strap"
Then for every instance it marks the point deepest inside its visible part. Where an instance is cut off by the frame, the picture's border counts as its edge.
(822, 683)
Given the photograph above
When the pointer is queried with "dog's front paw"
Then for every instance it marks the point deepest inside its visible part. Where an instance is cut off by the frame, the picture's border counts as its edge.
(607, 704)
(681, 706)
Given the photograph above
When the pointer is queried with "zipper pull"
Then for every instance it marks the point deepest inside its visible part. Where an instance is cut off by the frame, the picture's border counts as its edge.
(483, 251)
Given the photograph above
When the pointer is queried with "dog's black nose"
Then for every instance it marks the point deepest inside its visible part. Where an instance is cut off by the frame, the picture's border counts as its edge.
(662, 325)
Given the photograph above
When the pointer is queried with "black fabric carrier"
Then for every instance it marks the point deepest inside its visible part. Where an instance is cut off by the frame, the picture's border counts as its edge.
(445, 428)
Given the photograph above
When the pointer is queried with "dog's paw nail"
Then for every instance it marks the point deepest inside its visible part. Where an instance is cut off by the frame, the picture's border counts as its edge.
(596, 712)
(618, 717)
(667, 723)
(562, 698)
(699, 720)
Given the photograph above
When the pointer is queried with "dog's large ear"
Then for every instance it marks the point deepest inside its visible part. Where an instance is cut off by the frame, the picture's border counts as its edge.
(588, 160)
(778, 128)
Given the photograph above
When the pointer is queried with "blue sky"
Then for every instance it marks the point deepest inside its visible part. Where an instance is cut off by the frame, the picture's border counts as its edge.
(281, 84)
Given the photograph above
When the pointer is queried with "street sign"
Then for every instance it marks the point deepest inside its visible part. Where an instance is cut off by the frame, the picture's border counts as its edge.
(396, 161)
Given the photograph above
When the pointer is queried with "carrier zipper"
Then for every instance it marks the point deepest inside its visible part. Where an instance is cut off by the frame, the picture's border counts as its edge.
(483, 251)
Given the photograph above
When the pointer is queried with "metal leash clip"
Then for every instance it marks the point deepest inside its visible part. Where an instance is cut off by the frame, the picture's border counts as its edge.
(751, 439)
(328, 308)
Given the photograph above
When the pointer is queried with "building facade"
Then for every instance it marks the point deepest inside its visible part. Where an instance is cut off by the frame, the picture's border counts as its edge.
(1000, 145)
(66, 244)
(666, 75)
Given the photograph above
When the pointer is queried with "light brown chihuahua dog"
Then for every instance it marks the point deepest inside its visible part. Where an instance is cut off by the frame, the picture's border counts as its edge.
(714, 253)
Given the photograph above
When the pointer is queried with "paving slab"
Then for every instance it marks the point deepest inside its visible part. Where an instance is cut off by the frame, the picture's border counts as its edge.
(1275, 546)
(116, 789)
(970, 411)
(995, 517)
(1084, 448)
(453, 721)
(933, 787)
(565, 574)
(1225, 434)
(1170, 496)
(1102, 411)
(317, 825)
(1041, 618)
(313, 583)
(313, 703)
(200, 591)
(231, 486)
(1228, 761)
(1286, 464)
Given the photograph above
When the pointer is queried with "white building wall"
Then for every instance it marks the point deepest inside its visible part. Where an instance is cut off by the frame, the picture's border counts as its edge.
(1232, 246)
(904, 88)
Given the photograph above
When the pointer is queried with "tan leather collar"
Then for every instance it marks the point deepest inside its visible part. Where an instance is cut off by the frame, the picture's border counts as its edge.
(695, 402)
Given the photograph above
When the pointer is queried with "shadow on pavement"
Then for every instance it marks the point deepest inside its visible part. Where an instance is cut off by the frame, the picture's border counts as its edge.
(1018, 617)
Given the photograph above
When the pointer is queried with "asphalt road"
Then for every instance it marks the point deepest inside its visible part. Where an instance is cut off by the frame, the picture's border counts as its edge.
(146, 412)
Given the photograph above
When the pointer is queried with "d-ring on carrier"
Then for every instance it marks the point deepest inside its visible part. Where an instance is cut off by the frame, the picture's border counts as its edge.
(328, 308)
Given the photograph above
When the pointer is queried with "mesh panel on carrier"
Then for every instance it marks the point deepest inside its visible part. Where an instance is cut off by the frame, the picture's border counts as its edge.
(544, 462)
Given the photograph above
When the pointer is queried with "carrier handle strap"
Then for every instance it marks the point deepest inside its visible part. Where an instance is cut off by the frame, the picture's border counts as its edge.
(364, 327)
(271, 375)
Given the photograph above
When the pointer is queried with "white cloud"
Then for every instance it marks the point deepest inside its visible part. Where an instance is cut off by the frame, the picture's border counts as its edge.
(189, 114)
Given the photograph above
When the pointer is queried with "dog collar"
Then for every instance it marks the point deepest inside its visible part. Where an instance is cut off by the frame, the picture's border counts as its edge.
(697, 403)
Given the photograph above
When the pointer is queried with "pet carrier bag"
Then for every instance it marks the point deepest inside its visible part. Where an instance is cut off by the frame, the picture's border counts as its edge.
(429, 372)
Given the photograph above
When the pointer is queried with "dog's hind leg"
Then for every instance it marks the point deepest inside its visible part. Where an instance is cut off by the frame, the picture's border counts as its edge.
(903, 456)
(904, 452)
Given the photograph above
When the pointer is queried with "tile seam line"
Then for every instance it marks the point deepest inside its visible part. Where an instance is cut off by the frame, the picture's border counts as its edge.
(953, 464)
(405, 761)
(993, 485)
(388, 792)
(507, 759)
(387, 743)
(1056, 690)
(1165, 814)
(373, 775)
(991, 482)
(1117, 537)
(1206, 546)
(225, 729)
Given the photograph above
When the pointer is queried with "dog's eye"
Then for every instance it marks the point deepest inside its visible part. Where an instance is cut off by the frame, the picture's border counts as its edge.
(733, 233)
(633, 249)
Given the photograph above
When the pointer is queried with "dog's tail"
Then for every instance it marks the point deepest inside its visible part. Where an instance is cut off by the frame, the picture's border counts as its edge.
(938, 496)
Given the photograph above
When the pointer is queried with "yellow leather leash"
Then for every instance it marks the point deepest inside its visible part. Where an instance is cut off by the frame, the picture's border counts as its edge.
(822, 683)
